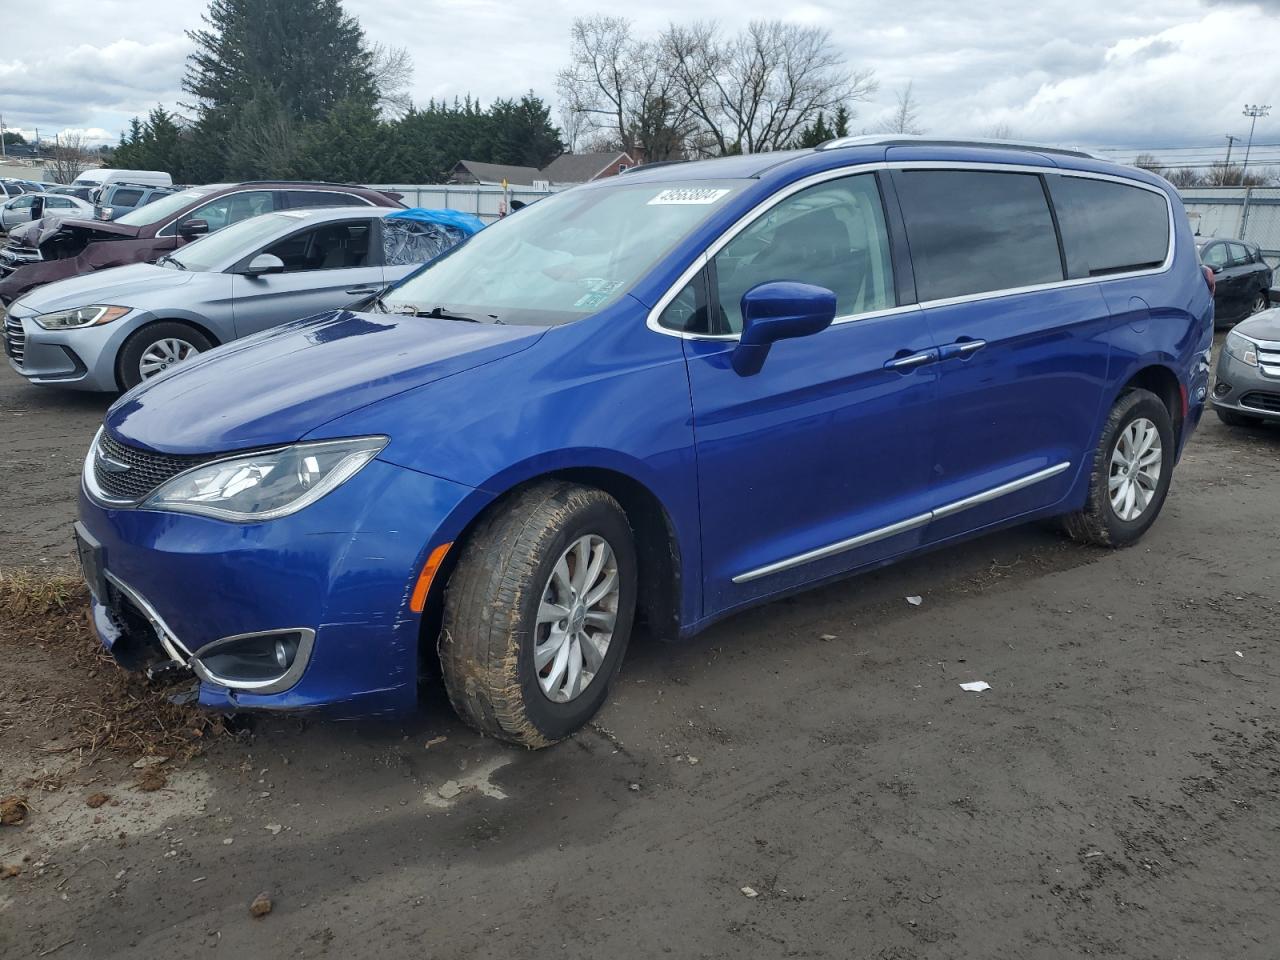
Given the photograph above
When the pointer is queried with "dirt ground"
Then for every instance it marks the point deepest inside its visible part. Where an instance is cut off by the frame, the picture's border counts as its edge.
(805, 780)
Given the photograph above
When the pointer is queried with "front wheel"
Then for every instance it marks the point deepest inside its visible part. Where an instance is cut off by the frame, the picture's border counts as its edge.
(156, 348)
(538, 613)
(1132, 468)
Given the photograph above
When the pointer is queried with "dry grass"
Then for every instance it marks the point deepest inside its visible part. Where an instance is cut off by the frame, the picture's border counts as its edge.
(64, 697)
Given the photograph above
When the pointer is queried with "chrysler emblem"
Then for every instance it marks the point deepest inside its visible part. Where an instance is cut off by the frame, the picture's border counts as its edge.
(110, 465)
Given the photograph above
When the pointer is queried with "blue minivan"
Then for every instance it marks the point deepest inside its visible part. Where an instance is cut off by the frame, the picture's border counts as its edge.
(672, 394)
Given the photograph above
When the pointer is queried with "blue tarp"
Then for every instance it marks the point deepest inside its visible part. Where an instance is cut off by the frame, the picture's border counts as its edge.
(466, 222)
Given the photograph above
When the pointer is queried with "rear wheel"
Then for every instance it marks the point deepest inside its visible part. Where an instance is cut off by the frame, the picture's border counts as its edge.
(1260, 302)
(1132, 467)
(156, 348)
(538, 613)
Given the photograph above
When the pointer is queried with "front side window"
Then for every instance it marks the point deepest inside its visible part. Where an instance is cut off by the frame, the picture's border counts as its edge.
(23, 202)
(233, 208)
(831, 235)
(566, 256)
(330, 246)
(1214, 255)
(974, 232)
(1110, 227)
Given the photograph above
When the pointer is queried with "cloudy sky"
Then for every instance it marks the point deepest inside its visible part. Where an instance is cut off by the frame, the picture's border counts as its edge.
(1082, 72)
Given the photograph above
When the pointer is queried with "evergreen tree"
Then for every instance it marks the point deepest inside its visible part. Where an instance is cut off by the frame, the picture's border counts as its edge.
(842, 121)
(522, 132)
(816, 132)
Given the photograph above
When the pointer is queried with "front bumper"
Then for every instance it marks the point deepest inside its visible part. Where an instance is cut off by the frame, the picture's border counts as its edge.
(81, 359)
(1249, 390)
(343, 567)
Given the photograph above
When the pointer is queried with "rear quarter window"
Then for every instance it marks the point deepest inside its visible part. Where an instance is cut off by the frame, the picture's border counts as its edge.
(1109, 227)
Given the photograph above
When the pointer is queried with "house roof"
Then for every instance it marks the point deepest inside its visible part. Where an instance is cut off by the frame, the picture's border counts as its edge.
(581, 167)
(497, 172)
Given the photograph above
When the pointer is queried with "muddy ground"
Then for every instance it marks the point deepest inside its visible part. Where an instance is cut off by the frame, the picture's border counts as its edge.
(1113, 794)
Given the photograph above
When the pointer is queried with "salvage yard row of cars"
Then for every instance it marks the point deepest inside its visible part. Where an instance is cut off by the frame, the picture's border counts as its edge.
(652, 396)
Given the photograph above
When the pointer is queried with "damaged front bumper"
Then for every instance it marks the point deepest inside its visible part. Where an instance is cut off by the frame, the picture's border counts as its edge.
(325, 592)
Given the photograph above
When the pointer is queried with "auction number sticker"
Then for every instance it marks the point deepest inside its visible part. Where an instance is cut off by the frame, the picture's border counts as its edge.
(682, 195)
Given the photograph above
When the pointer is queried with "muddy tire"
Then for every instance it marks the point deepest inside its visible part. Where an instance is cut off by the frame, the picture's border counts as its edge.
(153, 345)
(1125, 492)
(1233, 419)
(530, 597)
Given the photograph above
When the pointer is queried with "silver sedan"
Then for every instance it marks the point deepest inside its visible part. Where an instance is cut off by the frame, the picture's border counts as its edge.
(17, 210)
(111, 329)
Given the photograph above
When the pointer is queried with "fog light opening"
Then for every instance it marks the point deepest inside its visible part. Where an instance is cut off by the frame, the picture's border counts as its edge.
(1221, 389)
(255, 661)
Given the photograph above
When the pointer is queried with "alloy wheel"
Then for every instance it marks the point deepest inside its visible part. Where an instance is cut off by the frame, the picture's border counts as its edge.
(163, 354)
(576, 617)
(1259, 303)
(1136, 461)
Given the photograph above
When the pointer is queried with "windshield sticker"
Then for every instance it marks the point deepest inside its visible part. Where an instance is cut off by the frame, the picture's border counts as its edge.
(600, 284)
(591, 300)
(686, 195)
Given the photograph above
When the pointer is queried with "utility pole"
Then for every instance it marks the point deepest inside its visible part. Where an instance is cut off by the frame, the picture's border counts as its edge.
(4, 149)
(1253, 111)
(1226, 167)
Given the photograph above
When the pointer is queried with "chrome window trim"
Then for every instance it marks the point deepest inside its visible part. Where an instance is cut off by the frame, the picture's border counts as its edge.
(306, 642)
(838, 173)
(902, 526)
(368, 203)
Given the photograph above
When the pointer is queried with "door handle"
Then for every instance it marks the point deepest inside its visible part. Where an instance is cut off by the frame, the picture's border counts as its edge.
(356, 291)
(911, 361)
(962, 348)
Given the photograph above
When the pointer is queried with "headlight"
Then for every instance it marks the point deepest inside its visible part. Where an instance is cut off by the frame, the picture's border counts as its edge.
(267, 485)
(92, 316)
(1242, 348)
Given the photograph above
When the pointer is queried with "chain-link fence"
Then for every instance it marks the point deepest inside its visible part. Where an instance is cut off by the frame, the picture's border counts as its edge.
(1243, 213)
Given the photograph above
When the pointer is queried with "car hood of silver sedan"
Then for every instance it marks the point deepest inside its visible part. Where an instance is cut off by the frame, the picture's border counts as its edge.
(1261, 326)
(136, 285)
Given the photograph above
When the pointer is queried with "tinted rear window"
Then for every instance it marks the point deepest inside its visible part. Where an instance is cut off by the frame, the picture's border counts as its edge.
(973, 231)
(1110, 227)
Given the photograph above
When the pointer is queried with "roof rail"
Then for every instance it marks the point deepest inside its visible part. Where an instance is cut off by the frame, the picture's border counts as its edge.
(912, 140)
(302, 183)
(651, 164)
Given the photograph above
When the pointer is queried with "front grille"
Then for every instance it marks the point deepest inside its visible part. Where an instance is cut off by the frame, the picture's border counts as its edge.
(143, 470)
(15, 340)
(1261, 401)
(1269, 360)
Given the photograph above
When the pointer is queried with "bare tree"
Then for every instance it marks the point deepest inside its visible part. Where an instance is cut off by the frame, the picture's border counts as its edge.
(756, 90)
(597, 85)
(904, 119)
(68, 159)
(392, 74)
(999, 131)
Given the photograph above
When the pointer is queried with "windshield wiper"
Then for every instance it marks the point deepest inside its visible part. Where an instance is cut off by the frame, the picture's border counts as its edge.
(170, 258)
(436, 313)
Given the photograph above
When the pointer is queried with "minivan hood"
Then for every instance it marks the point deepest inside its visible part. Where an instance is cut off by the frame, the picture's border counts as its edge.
(1261, 326)
(118, 285)
(279, 385)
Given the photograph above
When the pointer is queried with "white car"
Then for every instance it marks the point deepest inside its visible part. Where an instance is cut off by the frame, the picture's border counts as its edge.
(17, 210)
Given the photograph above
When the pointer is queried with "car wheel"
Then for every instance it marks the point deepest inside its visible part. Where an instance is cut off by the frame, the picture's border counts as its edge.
(538, 613)
(1233, 419)
(156, 348)
(1260, 302)
(1132, 467)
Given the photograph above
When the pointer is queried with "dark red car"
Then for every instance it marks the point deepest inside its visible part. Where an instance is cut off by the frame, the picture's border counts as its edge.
(52, 249)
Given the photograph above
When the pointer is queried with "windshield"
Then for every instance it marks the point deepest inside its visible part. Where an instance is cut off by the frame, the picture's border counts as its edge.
(563, 257)
(231, 243)
(161, 209)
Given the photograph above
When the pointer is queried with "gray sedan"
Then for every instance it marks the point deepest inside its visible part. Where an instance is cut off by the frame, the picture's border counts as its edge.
(1247, 385)
(111, 329)
(17, 210)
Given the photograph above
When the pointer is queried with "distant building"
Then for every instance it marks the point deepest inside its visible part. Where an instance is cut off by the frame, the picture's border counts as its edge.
(564, 170)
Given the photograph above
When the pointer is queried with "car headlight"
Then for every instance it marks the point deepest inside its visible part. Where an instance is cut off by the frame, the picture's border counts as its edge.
(266, 485)
(92, 316)
(1242, 348)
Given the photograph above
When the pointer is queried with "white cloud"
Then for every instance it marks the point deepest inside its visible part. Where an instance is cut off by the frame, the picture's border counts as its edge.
(1071, 71)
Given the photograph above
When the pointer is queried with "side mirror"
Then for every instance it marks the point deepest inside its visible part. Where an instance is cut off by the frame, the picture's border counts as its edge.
(1216, 270)
(193, 228)
(262, 264)
(779, 311)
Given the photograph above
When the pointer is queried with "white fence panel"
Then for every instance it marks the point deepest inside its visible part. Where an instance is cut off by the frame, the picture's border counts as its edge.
(1251, 214)
(482, 200)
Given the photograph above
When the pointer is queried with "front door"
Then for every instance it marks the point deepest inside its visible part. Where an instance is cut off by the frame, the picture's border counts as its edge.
(820, 462)
(325, 267)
